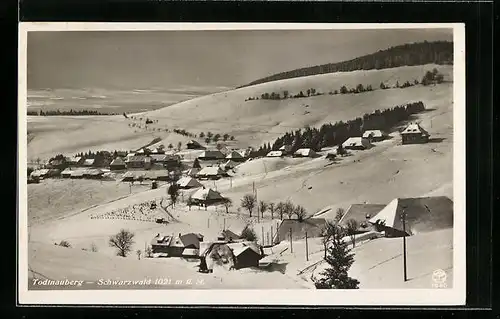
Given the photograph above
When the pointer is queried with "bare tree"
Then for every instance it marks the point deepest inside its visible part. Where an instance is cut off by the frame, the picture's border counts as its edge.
(263, 207)
(227, 203)
(272, 209)
(179, 146)
(138, 253)
(289, 209)
(301, 212)
(280, 208)
(149, 252)
(123, 242)
(352, 227)
(248, 202)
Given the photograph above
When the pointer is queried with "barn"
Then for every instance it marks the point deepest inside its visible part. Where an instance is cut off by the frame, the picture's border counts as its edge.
(356, 143)
(422, 214)
(304, 152)
(275, 154)
(211, 172)
(194, 145)
(207, 196)
(188, 182)
(117, 164)
(211, 155)
(374, 135)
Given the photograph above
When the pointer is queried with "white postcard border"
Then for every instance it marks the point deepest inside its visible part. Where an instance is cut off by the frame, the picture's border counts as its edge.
(369, 297)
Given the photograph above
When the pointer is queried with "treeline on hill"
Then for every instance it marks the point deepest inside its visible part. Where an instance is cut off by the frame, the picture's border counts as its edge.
(211, 137)
(438, 52)
(335, 134)
(70, 112)
(430, 77)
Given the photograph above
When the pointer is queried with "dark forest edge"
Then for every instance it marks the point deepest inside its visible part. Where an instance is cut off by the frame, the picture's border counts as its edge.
(421, 53)
(333, 134)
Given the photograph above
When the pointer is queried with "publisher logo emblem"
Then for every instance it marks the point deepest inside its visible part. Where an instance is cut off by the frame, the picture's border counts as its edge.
(439, 278)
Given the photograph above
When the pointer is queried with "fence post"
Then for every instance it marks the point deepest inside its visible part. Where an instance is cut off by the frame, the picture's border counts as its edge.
(307, 250)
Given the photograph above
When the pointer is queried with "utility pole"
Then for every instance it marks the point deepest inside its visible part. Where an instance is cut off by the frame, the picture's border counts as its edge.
(403, 219)
(208, 222)
(263, 239)
(224, 223)
(272, 235)
(307, 250)
(291, 246)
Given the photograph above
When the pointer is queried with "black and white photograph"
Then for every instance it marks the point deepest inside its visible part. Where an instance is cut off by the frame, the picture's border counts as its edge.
(324, 163)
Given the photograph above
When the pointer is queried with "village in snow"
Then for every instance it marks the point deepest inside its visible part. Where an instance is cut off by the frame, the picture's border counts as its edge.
(332, 179)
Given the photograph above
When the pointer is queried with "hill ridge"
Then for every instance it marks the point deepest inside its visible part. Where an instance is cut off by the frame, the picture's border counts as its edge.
(409, 54)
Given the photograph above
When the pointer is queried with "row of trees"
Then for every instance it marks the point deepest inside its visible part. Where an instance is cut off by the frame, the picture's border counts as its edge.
(286, 95)
(438, 52)
(430, 77)
(209, 137)
(281, 209)
(67, 113)
(332, 134)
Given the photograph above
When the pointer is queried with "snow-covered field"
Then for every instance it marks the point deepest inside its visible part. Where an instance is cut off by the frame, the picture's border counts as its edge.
(378, 175)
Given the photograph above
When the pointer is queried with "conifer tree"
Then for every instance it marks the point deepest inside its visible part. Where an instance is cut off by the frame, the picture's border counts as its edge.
(340, 261)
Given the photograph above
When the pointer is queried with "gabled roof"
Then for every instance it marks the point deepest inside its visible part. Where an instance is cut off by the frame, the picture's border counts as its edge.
(234, 154)
(422, 214)
(304, 152)
(161, 240)
(188, 182)
(117, 161)
(206, 194)
(212, 154)
(191, 239)
(89, 161)
(414, 128)
(373, 133)
(136, 158)
(275, 154)
(159, 157)
(360, 212)
(285, 148)
(356, 142)
(211, 171)
(77, 173)
(193, 142)
(40, 172)
(74, 159)
(192, 171)
(189, 252)
(67, 171)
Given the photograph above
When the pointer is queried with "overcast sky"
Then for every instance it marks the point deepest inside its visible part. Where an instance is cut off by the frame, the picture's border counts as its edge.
(178, 59)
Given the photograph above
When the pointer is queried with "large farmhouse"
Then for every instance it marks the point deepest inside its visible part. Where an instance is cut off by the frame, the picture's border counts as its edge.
(414, 134)
(207, 196)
